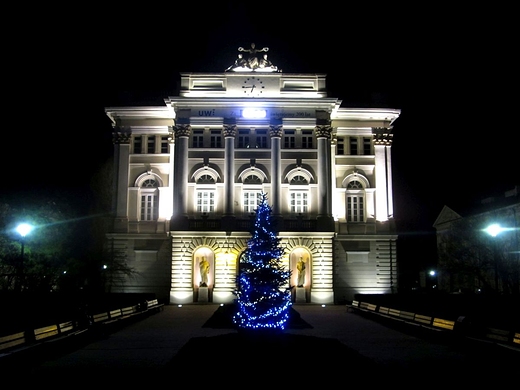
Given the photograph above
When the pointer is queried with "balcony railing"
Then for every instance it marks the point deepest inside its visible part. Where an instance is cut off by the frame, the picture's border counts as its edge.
(242, 223)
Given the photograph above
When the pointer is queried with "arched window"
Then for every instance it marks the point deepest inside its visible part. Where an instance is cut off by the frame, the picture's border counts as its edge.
(253, 179)
(251, 192)
(354, 185)
(149, 200)
(206, 179)
(355, 201)
(206, 194)
(299, 179)
(299, 194)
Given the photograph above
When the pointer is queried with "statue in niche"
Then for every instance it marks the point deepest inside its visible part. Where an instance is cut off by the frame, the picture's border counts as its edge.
(300, 266)
(204, 272)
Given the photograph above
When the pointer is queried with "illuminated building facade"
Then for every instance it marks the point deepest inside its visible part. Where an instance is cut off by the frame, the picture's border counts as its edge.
(189, 174)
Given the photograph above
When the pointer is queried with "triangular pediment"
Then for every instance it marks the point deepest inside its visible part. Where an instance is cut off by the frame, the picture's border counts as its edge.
(446, 215)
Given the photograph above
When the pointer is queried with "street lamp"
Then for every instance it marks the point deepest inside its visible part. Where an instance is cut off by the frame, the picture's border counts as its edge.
(23, 230)
(494, 230)
(433, 275)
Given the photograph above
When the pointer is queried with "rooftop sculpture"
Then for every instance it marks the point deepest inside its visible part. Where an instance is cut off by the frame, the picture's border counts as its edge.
(252, 63)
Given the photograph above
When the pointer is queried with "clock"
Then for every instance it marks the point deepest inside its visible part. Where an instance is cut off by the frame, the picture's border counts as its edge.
(253, 86)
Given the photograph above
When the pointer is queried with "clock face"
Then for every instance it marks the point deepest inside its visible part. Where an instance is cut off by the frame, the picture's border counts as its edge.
(253, 86)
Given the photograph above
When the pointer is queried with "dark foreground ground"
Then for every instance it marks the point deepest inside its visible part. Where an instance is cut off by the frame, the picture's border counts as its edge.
(278, 353)
(197, 345)
(302, 359)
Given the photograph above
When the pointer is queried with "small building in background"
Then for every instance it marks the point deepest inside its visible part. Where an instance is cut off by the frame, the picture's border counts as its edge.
(479, 252)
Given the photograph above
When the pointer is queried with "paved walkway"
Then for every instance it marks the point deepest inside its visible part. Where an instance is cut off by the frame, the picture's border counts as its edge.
(142, 350)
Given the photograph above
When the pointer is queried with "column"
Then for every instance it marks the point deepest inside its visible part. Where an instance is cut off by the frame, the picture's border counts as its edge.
(229, 132)
(121, 138)
(276, 132)
(171, 149)
(180, 170)
(323, 135)
(382, 143)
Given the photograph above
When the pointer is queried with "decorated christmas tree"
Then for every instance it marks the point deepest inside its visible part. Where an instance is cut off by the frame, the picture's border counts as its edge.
(263, 294)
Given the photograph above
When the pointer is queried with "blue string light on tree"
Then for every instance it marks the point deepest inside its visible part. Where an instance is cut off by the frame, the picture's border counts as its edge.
(263, 296)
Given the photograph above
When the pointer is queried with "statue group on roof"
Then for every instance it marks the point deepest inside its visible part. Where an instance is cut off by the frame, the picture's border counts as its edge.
(252, 63)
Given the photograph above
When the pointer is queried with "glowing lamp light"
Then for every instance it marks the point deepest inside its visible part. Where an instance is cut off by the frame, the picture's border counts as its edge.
(494, 230)
(24, 229)
(254, 113)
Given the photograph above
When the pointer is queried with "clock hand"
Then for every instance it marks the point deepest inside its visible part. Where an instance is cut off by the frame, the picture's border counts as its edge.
(253, 87)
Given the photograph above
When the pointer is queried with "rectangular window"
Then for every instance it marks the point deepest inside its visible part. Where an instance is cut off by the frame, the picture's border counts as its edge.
(299, 202)
(216, 139)
(289, 139)
(198, 139)
(164, 144)
(150, 148)
(355, 209)
(138, 142)
(307, 139)
(149, 207)
(261, 139)
(340, 149)
(353, 146)
(205, 201)
(243, 139)
(252, 199)
(367, 150)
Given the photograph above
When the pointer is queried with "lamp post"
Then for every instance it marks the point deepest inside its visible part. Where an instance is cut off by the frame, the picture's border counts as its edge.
(494, 230)
(23, 230)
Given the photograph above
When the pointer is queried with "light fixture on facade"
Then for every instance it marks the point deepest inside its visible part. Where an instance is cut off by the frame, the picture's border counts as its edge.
(254, 113)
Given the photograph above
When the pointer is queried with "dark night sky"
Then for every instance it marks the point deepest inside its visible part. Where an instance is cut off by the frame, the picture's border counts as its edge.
(455, 142)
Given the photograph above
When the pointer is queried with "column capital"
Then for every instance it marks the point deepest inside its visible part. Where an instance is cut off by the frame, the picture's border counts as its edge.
(171, 135)
(382, 135)
(323, 131)
(182, 130)
(121, 135)
(276, 131)
(229, 130)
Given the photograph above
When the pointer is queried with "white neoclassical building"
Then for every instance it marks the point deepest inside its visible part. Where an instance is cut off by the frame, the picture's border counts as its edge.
(189, 175)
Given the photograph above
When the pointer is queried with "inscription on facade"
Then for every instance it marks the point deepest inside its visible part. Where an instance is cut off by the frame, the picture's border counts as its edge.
(239, 113)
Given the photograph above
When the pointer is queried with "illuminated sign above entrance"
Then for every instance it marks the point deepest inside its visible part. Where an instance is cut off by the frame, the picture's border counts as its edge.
(253, 113)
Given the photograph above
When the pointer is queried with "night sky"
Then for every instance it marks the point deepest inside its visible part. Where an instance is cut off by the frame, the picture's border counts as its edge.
(449, 72)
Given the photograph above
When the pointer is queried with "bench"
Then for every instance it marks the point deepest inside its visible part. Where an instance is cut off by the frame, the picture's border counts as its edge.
(100, 317)
(499, 335)
(129, 311)
(352, 306)
(365, 306)
(384, 310)
(442, 323)
(66, 327)
(422, 319)
(154, 305)
(12, 340)
(45, 332)
(406, 315)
